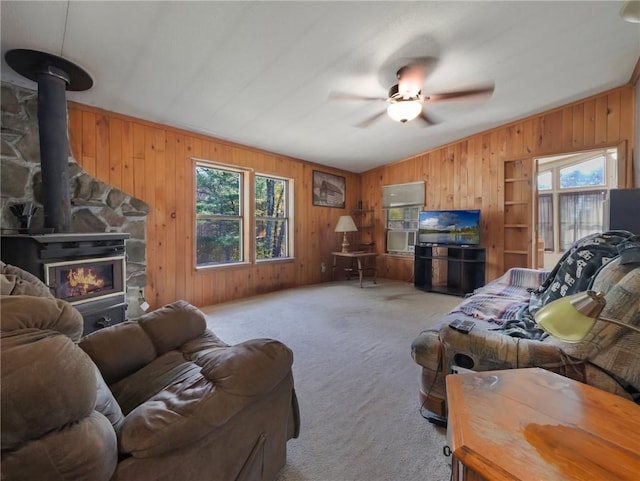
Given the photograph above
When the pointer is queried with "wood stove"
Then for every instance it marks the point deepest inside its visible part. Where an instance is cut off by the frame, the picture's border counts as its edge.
(87, 270)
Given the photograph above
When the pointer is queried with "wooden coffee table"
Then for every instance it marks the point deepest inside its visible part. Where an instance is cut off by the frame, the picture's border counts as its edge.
(531, 424)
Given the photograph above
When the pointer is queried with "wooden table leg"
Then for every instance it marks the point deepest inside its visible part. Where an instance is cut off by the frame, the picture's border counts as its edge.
(333, 269)
(375, 271)
(360, 270)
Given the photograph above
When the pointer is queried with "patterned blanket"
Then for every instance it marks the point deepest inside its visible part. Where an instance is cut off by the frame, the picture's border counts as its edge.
(511, 301)
(502, 299)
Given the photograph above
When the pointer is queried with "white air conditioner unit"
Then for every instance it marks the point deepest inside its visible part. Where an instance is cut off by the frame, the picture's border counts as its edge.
(401, 241)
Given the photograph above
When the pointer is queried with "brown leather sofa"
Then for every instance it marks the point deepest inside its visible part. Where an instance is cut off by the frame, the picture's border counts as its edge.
(158, 398)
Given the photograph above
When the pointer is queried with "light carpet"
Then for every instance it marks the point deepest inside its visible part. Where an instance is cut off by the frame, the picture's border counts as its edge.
(355, 380)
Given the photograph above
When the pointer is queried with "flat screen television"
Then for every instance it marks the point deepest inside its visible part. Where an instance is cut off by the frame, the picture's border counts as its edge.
(453, 227)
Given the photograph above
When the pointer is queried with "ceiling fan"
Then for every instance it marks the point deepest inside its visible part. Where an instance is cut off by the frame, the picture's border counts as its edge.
(406, 100)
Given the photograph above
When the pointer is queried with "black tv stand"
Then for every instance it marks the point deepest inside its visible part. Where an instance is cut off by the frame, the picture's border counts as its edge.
(455, 270)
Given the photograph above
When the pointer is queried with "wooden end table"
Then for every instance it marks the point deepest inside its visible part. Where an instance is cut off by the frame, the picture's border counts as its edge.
(532, 424)
(363, 265)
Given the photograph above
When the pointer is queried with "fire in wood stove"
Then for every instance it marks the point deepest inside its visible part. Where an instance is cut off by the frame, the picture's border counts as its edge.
(87, 279)
(82, 281)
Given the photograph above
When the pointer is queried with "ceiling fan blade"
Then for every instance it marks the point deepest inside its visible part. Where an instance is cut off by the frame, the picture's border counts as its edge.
(367, 122)
(344, 96)
(428, 119)
(458, 94)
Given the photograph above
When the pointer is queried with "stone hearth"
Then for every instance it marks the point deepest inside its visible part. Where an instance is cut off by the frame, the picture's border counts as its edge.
(95, 206)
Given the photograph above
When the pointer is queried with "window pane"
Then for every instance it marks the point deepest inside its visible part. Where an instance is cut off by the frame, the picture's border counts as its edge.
(271, 239)
(403, 218)
(217, 191)
(545, 220)
(580, 215)
(545, 181)
(271, 218)
(218, 241)
(396, 213)
(271, 197)
(591, 172)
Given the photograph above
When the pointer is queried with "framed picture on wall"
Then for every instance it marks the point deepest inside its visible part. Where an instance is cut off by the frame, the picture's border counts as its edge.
(328, 190)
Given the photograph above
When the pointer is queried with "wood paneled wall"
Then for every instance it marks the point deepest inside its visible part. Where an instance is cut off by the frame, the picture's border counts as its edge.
(469, 174)
(154, 163)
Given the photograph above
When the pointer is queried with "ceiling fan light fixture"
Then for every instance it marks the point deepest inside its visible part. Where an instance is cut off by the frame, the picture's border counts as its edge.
(404, 110)
(630, 11)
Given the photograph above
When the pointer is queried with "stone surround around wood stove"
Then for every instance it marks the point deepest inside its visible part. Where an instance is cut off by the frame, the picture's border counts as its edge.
(95, 206)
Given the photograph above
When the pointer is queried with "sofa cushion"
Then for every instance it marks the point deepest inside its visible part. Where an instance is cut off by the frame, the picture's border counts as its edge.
(577, 268)
(129, 340)
(630, 251)
(167, 369)
(503, 298)
(197, 399)
(172, 325)
(610, 275)
(140, 341)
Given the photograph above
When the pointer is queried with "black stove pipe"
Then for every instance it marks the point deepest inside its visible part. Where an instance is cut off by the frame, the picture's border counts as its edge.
(54, 75)
(54, 148)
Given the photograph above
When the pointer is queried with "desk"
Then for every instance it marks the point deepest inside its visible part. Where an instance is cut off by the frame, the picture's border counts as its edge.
(362, 258)
(532, 424)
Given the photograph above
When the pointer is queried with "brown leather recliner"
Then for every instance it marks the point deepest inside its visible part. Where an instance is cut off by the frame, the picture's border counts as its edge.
(158, 398)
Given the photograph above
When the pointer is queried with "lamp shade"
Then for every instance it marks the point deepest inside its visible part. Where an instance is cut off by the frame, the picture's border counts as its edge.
(346, 224)
(571, 318)
(404, 110)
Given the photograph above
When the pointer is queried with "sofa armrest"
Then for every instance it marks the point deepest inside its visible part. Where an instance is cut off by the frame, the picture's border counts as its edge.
(523, 277)
(496, 350)
(230, 379)
(529, 278)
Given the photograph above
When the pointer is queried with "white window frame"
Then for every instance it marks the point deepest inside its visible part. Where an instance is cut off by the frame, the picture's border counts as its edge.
(247, 215)
(611, 165)
(288, 210)
(242, 215)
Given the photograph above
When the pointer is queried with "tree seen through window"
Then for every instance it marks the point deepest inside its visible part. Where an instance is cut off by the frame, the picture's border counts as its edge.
(218, 216)
(271, 217)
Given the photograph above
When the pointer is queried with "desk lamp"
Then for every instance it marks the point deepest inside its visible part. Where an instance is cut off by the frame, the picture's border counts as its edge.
(345, 224)
(571, 318)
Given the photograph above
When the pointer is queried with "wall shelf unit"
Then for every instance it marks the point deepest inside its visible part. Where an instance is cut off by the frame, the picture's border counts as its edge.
(452, 270)
(518, 213)
(365, 222)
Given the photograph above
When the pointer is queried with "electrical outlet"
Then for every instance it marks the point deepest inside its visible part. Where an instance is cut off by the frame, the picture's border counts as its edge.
(323, 267)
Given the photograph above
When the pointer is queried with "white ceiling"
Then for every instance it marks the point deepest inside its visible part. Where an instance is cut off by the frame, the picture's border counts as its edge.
(259, 73)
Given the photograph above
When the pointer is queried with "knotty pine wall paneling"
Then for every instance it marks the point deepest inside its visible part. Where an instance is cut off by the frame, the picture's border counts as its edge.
(470, 173)
(154, 163)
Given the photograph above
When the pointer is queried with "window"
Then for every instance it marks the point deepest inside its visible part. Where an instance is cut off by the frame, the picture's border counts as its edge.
(219, 216)
(272, 222)
(402, 229)
(584, 174)
(545, 180)
(228, 200)
(402, 203)
(545, 220)
(572, 194)
(580, 215)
